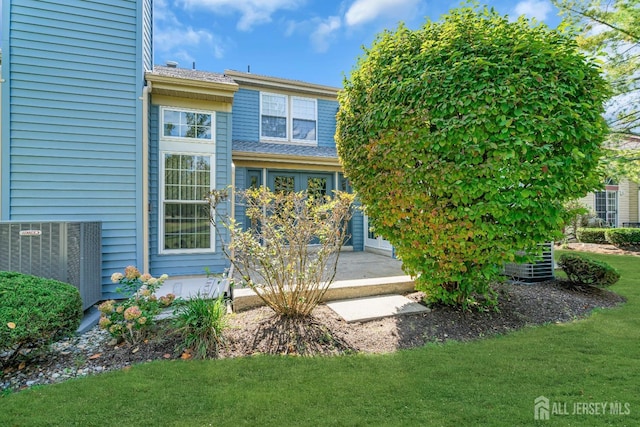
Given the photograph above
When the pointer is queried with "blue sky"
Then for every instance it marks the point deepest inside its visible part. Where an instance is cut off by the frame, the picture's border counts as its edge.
(317, 41)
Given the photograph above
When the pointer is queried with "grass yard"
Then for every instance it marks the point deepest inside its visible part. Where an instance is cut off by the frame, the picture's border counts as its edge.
(487, 382)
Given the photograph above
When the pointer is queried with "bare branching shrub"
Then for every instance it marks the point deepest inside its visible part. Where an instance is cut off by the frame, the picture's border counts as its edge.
(288, 255)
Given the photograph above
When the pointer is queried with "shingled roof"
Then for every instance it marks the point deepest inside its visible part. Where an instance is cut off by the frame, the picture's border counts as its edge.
(284, 149)
(185, 73)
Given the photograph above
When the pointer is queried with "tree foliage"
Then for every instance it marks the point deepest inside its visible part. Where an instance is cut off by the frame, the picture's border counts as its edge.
(610, 31)
(464, 138)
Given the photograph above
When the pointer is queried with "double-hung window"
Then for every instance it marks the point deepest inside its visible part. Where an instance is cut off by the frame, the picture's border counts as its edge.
(187, 160)
(286, 118)
(303, 119)
(607, 203)
(274, 116)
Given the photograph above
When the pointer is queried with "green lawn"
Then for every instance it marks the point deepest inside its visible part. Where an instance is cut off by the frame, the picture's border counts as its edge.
(488, 382)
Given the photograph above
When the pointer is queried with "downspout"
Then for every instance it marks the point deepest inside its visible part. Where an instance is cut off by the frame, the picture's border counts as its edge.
(146, 208)
(233, 190)
(233, 217)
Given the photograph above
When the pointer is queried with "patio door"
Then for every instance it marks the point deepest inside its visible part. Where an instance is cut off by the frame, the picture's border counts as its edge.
(319, 184)
(373, 241)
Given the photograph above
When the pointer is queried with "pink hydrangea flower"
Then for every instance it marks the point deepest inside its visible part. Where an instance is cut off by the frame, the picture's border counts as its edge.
(132, 313)
(106, 307)
(131, 272)
(116, 277)
(104, 322)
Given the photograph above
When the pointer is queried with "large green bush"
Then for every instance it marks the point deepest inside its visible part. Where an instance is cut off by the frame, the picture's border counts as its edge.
(35, 311)
(464, 138)
(592, 235)
(623, 236)
(582, 270)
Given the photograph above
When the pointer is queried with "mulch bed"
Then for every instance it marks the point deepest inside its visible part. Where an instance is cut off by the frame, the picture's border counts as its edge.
(259, 331)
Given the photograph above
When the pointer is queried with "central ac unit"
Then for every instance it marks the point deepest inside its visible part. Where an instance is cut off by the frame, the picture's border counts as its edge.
(66, 251)
(539, 270)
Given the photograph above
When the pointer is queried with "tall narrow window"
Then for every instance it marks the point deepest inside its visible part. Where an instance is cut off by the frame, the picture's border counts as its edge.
(607, 203)
(186, 164)
(187, 180)
(274, 116)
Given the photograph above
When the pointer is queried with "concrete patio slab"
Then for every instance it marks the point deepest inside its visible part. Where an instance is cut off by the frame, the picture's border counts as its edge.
(371, 308)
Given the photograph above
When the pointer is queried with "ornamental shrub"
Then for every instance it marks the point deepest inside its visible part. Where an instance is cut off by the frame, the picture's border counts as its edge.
(134, 318)
(463, 140)
(623, 236)
(289, 253)
(35, 311)
(592, 235)
(581, 271)
(201, 322)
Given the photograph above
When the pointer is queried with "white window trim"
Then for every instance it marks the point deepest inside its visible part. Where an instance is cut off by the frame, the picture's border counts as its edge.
(189, 147)
(286, 114)
(289, 120)
(612, 189)
(182, 138)
(303, 141)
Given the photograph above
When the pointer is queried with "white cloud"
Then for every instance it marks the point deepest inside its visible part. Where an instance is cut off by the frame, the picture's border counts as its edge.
(172, 40)
(252, 12)
(538, 9)
(363, 11)
(324, 33)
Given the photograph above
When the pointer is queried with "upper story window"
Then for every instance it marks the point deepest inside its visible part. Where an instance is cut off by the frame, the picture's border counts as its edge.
(274, 116)
(186, 124)
(288, 118)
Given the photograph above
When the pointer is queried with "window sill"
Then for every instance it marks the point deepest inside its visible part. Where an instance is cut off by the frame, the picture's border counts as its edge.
(169, 252)
(289, 142)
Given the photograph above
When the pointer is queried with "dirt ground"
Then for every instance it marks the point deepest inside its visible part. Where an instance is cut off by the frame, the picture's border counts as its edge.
(601, 249)
(258, 331)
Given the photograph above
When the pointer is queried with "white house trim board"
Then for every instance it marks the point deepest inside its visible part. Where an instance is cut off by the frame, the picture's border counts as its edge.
(177, 145)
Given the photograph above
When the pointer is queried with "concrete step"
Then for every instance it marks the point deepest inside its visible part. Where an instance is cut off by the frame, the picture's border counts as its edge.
(372, 308)
(244, 298)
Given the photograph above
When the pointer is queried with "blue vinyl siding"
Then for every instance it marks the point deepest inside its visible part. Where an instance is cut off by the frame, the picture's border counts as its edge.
(74, 83)
(241, 184)
(187, 264)
(246, 118)
(246, 115)
(357, 230)
(147, 35)
(327, 111)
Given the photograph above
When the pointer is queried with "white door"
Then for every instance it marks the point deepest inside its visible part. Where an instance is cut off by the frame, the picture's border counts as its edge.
(371, 240)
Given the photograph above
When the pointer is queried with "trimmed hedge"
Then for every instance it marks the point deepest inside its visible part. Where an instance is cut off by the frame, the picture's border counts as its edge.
(592, 235)
(581, 270)
(623, 236)
(614, 236)
(35, 311)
